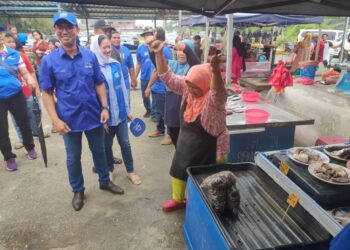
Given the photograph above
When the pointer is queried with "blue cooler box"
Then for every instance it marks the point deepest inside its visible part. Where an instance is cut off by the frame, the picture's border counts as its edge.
(258, 224)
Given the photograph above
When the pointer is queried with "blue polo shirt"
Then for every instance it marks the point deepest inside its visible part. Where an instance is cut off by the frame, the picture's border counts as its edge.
(74, 81)
(159, 87)
(143, 58)
(127, 63)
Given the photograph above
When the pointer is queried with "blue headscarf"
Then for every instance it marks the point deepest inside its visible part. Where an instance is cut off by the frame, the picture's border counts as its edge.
(180, 69)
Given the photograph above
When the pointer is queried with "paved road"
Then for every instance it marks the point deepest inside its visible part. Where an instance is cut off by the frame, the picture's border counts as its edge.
(36, 212)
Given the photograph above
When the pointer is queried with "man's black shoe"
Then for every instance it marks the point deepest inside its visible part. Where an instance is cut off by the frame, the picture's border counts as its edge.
(111, 187)
(147, 114)
(78, 201)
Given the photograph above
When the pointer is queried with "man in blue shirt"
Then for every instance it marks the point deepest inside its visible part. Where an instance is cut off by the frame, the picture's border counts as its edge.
(158, 89)
(127, 62)
(145, 65)
(73, 73)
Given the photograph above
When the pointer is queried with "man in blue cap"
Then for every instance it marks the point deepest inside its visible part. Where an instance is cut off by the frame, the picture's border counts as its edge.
(73, 73)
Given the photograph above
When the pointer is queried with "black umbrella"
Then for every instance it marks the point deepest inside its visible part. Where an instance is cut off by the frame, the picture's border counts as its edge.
(37, 115)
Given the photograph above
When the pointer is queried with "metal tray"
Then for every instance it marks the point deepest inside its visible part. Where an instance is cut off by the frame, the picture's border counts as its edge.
(327, 196)
(263, 203)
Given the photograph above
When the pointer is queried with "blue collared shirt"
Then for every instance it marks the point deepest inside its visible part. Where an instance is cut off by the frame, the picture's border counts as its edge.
(74, 81)
(127, 63)
(143, 58)
(159, 87)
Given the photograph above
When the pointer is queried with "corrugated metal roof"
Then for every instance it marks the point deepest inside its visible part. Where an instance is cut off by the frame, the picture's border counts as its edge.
(91, 11)
(210, 7)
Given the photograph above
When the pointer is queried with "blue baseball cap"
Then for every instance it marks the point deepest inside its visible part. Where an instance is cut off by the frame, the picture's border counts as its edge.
(64, 15)
(22, 37)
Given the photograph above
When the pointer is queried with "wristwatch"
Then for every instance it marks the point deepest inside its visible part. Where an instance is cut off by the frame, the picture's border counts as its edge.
(105, 107)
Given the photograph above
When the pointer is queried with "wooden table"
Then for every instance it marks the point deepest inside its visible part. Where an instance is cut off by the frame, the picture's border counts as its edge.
(255, 84)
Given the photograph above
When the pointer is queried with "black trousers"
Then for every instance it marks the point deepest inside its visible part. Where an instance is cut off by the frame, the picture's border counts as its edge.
(18, 108)
(174, 134)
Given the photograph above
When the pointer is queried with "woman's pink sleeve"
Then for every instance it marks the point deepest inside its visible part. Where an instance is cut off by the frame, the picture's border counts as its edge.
(176, 83)
(218, 97)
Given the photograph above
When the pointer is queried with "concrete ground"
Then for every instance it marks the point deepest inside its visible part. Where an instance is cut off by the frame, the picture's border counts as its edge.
(36, 211)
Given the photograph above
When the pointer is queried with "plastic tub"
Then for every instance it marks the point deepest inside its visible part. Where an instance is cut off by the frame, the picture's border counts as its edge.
(256, 116)
(250, 96)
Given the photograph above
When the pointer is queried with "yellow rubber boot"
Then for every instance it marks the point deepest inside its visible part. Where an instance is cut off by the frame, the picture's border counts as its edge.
(179, 188)
(222, 160)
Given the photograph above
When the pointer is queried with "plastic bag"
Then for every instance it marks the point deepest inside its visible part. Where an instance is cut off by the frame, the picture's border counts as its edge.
(305, 81)
(329, 73)
(280, 78)
(222, 179)
(308, 72)
(332, 79)
(222, 192)
(233, 200)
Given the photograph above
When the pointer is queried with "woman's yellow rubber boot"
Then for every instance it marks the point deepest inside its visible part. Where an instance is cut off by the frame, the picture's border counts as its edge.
(178, 196)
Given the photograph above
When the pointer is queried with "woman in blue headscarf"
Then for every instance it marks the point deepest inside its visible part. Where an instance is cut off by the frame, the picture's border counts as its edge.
(185, 59)
(118, 106)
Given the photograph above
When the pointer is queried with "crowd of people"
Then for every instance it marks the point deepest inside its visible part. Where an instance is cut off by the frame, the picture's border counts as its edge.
(86, 90)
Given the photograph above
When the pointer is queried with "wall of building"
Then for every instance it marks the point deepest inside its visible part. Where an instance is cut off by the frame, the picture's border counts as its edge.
(329, 108)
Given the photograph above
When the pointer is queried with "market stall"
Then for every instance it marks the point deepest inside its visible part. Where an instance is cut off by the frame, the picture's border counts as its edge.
(255, 67)
(276, 211)
(277, 132)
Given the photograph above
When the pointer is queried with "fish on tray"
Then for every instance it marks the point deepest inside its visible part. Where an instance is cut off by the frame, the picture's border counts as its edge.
(341, 151)
(329, 173)
(304, 155)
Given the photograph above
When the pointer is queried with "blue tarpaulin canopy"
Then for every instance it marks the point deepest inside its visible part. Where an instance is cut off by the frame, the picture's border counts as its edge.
(244, 19)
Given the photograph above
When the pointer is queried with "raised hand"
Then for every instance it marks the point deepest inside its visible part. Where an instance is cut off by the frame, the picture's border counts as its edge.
(215, 63)
(157, 46)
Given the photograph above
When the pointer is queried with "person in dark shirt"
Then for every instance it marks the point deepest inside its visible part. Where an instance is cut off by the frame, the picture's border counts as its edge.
(197, 46)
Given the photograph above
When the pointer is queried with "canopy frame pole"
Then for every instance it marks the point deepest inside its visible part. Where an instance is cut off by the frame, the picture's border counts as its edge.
(272, 58)
(229, 37)
(223, 7)
(87, 30)
(318, 42)
(259, 48)
(343, 41)
(180, 20)
(206, 48)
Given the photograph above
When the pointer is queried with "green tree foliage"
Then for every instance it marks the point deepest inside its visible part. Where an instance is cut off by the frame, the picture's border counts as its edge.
(290, 33)
(29, 24)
